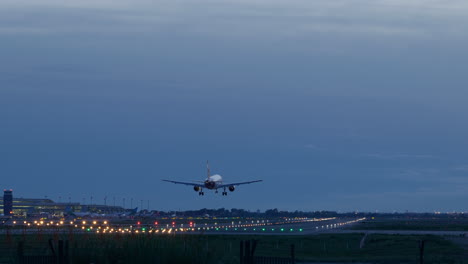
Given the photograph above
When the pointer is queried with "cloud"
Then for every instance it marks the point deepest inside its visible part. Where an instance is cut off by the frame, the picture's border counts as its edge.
(312, 147)
(387, 156)
(430, 177)
(70, 3)
(278, 19)
(411, 194)
(462, 168)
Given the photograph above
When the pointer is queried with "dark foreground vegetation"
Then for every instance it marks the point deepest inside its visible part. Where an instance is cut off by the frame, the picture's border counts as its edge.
(113, 248)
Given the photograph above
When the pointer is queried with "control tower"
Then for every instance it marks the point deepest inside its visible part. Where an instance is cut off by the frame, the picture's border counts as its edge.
(7, 202)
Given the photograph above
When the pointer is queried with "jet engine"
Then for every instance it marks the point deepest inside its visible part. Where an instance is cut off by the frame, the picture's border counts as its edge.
(232, 188)
(196, 188)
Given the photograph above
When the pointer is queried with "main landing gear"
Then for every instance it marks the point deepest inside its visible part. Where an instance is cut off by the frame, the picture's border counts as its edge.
(201, 193)
(224, 193)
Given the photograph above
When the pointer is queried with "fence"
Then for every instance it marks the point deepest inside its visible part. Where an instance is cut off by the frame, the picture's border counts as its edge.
(247, 251)
(58, 254)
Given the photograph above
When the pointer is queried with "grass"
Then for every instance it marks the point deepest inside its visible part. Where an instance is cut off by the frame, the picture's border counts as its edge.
(95, 248)
(414, 224)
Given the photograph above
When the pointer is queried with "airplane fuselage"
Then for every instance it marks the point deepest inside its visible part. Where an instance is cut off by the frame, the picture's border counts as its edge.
(213, 182)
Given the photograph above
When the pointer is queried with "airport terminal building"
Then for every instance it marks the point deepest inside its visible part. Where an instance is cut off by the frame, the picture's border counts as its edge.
(24, 207)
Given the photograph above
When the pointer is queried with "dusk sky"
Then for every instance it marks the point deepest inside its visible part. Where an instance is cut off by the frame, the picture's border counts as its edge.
(336, 104)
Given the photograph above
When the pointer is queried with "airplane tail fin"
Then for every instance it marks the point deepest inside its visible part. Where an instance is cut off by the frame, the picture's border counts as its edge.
(134, 211)
(207, 169)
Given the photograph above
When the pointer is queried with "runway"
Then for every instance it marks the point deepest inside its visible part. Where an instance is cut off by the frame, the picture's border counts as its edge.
(281, 226)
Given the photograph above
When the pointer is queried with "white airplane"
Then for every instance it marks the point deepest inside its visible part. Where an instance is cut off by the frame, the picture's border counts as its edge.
(212, 182)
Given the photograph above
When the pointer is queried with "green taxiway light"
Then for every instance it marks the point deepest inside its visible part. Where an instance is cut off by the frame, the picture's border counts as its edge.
(235, 229)
(255, 229)
(263, 229)
(282, 229)
(88, 229)
(291, 229)
(226, 228)
(217, 229)
(300, 230)
(272, 229)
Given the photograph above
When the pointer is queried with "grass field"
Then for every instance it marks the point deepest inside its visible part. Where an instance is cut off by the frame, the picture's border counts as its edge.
(414, 224)
(95, 248)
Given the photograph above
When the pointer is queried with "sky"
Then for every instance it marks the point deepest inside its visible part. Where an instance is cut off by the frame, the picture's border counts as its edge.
(344, 105)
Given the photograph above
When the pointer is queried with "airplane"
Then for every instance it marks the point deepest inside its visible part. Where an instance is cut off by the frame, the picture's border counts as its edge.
(70, 213)
(212, 182)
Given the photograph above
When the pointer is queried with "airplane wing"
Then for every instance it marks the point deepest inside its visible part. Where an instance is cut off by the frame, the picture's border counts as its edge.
(238, 183)
(185, 183)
